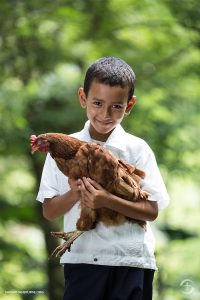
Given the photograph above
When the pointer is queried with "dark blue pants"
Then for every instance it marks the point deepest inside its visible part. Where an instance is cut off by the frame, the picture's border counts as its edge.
(96, 282)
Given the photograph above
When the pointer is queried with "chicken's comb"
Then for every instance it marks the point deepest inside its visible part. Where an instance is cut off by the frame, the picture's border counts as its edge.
(33, 139)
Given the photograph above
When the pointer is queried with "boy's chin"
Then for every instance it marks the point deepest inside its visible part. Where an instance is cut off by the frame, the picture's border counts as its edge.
(100, 133)
(105, 130)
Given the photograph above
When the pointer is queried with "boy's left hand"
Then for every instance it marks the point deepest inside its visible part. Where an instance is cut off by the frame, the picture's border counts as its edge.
(93, 195)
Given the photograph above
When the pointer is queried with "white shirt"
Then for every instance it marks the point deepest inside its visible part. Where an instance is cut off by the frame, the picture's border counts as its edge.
(122, 245)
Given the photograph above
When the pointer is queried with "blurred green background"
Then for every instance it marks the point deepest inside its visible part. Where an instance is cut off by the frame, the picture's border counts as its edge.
(45, 48)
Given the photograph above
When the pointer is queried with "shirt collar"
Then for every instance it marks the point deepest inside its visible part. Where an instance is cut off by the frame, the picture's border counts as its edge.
(115, 140)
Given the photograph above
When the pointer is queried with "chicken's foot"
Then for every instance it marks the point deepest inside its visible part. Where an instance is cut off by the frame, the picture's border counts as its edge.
(69, 238)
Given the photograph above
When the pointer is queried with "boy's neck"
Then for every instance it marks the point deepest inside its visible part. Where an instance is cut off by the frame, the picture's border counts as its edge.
(98, 136)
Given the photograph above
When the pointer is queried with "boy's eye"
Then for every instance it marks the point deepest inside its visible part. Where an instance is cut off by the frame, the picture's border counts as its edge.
(118, 106)
(97, 103)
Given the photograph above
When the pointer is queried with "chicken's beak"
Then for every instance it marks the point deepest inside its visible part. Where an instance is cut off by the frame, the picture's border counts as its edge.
(34, 148)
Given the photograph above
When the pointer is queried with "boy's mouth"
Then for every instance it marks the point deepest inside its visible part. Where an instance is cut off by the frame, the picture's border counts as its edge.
(104, 122)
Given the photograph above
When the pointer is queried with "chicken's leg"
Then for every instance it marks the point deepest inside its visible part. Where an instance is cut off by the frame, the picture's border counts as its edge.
(69, 238)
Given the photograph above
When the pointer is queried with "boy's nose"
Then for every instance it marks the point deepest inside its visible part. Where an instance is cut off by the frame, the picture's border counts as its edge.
(107, 112)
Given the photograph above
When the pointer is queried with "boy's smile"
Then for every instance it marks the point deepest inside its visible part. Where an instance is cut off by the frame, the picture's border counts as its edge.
(106, 106)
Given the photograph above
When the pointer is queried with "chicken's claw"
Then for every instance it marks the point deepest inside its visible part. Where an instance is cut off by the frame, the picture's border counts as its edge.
(69, 238)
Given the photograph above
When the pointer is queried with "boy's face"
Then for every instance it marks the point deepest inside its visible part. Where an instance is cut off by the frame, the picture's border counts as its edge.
(106, 106)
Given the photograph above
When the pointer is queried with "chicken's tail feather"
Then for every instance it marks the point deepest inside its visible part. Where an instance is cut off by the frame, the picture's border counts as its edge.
(124, 189)
(130, 192)
(131, 169)
(140, 173)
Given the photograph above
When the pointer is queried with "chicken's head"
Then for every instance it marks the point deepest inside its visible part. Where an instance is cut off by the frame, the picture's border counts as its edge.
(39, 143)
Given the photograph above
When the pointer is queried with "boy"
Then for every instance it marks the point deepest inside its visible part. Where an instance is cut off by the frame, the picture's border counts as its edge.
(115, 262)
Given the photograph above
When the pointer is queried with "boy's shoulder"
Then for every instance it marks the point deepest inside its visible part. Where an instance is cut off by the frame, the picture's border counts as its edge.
(78, 135)
(137, 150)
(131, 138)
(137, 143)
(82, 135)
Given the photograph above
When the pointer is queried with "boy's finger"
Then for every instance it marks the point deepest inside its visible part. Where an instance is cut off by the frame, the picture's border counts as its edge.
(79, 183)
(95, 184)
(88, 185)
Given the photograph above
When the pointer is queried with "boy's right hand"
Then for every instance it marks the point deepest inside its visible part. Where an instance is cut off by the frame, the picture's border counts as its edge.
(75, 186)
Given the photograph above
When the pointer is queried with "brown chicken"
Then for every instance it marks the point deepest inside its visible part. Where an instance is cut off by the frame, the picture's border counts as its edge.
(77, 159)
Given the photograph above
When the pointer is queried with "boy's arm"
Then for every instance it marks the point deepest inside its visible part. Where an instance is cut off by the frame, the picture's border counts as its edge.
(94, 196)
(59, 205)
(141, 210)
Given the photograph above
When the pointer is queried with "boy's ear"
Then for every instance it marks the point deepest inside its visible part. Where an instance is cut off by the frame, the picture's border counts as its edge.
(82, 98)
(130, 105)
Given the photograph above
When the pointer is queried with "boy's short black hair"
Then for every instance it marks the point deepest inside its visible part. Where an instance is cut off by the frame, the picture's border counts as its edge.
(112, 71)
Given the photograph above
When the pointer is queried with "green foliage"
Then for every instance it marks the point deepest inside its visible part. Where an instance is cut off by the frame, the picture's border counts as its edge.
(45, 50)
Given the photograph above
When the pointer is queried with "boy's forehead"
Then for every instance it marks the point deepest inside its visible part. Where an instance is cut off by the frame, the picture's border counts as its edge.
(103, 91)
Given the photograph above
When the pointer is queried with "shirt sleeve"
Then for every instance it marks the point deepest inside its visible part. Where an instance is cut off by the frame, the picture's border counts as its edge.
(153, 182)
(49, 183)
